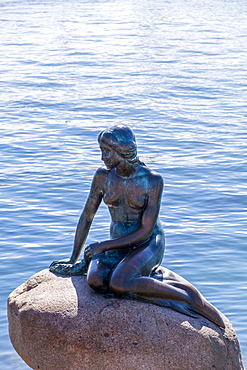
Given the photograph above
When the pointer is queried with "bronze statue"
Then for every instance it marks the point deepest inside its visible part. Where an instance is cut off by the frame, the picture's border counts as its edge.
(128, 264)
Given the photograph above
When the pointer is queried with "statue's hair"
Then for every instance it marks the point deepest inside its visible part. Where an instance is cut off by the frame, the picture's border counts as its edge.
(122, 140)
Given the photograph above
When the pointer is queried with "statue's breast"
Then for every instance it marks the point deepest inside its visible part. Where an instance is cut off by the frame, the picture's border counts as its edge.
(125, 192)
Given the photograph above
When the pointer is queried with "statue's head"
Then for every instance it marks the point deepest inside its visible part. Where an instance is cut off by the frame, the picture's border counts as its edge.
(122, 140)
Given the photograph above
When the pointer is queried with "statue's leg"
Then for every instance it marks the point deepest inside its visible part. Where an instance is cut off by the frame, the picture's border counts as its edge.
(98, 274)
(133, 276)
(163, 273)
(200, 304)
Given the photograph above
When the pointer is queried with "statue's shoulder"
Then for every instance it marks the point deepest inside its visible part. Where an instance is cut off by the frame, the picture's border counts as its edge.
(102, 171)
(100, 176)
(151, 174)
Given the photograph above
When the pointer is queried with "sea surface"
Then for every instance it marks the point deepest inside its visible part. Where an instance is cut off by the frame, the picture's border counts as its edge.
(175, 71)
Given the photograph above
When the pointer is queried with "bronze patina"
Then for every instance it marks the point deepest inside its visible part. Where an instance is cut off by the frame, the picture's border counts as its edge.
(128, 264)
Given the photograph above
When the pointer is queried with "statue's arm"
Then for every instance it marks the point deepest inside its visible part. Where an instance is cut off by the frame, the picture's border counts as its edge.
(89, 211)
(149, 219)
(86, 218)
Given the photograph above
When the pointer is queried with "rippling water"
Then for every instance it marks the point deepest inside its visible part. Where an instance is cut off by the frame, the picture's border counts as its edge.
(175, 71)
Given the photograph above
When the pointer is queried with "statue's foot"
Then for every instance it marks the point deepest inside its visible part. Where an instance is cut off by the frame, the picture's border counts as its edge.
(210, 312)
(79, 268)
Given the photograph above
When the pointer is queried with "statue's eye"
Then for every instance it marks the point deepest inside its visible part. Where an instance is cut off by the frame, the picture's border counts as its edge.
(105, 151)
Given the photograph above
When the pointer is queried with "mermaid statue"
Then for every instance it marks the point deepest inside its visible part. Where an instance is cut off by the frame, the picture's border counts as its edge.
(128, 264)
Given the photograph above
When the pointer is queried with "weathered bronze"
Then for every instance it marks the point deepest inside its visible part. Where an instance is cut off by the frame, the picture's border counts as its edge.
(128, 264)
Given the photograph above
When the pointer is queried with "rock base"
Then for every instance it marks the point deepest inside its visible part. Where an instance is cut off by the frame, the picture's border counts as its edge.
(60, 323)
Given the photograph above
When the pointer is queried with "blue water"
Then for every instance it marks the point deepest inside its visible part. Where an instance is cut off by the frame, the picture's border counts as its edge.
(175, 72)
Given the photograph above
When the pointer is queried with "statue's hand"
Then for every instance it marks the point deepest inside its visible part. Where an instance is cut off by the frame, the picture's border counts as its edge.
(79, 268)
(93, 249)
(67, 261)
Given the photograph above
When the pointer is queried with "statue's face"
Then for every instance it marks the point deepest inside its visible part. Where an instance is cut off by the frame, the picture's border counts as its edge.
(109, 156)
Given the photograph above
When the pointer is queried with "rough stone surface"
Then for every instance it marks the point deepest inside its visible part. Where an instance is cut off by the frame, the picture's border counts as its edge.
(60, 323)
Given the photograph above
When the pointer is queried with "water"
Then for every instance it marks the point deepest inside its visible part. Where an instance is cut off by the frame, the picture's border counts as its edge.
(175, 72)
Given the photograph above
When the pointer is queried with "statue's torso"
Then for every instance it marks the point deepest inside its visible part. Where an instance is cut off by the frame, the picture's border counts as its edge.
(127, 199)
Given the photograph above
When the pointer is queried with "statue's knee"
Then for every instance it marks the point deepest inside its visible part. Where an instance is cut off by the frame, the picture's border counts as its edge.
(96, 283)
(117, 286)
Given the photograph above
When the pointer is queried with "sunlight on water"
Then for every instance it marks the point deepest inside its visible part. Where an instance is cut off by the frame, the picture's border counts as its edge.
(175, 71)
